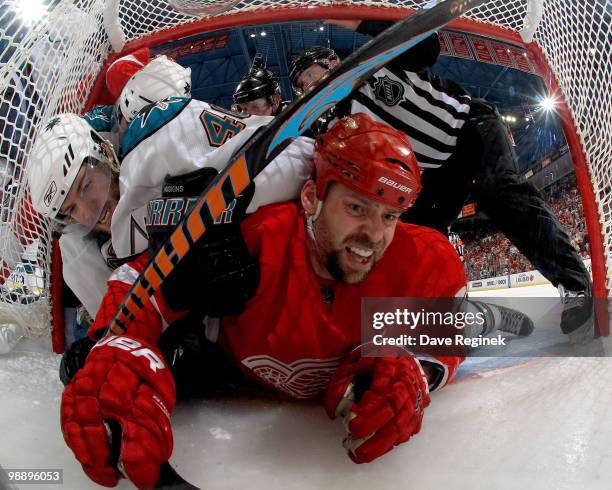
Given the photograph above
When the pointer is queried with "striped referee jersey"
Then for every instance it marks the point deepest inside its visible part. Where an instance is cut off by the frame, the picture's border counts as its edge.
(431, 111)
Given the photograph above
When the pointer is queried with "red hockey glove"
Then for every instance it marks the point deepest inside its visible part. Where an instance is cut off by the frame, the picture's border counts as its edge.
(382, 401)
(124, 381)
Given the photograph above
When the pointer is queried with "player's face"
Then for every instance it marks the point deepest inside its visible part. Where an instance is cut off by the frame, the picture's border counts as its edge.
(92, 198)
(257, 107)
(310, 77)
(352, 233)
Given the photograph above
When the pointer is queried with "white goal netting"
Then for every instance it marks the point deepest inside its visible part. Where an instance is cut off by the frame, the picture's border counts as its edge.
(49, 64)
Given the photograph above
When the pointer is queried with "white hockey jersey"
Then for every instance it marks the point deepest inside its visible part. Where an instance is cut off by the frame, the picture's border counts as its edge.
(174, 137)
(180, 135)
(84, 267)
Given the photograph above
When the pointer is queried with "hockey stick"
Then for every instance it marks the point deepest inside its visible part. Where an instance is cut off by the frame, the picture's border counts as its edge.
(270, 140)
(168, 479)
(264, 146)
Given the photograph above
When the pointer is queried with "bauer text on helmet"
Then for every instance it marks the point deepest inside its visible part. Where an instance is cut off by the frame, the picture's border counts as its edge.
(375, 178)
(160, 79)
(371, 158)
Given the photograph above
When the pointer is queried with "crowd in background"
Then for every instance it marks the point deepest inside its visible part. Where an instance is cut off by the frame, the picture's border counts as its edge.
(488, 253)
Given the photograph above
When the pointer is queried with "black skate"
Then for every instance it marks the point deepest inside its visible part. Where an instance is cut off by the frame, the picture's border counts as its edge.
(577, 316)
(504, 319)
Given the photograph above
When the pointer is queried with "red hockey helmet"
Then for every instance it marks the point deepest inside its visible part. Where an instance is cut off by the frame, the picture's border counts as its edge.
(370, 158)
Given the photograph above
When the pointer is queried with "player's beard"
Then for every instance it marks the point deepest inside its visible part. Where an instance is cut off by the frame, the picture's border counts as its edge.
(338, 264)
(342, 264)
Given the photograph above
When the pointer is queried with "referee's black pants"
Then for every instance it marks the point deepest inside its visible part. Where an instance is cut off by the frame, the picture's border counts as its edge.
(484, 165)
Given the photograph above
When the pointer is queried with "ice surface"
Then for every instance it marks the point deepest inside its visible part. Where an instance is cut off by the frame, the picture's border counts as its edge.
(507, 423)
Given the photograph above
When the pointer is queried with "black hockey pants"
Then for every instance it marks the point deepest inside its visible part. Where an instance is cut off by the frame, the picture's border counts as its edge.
(484, 165)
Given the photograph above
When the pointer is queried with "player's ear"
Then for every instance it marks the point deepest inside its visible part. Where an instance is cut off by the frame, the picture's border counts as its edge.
(309, 197)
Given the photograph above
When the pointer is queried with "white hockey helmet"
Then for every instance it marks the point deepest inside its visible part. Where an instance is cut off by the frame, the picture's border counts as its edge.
(160, 79)
(61, 147)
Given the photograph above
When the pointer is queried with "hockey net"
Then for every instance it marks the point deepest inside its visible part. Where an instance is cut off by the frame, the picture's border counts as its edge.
(52, 64)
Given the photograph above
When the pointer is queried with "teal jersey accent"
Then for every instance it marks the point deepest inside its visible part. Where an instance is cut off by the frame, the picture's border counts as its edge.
(101, 118)
(150, 119)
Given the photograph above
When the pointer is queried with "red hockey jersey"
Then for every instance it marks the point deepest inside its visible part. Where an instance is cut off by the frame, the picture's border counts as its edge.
(298, 327)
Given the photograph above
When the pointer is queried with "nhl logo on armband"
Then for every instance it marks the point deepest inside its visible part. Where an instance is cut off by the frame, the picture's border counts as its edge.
(388, 91)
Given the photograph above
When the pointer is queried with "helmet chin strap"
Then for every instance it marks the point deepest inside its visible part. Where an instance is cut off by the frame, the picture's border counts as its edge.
(310, 222)
(109, 151)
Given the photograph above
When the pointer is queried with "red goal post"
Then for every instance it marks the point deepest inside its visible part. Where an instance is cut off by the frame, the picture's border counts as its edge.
(571, 47)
